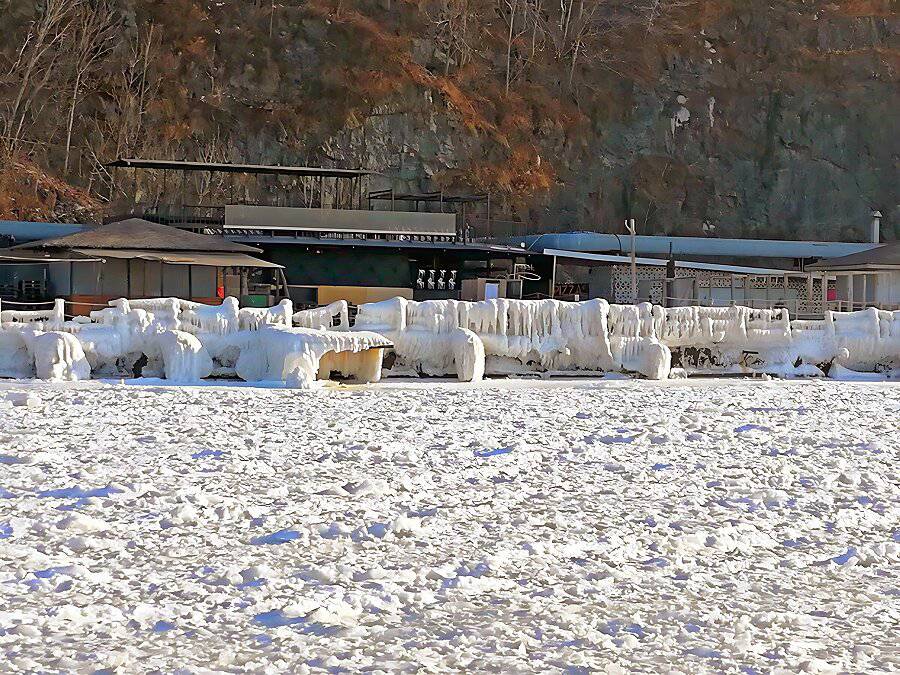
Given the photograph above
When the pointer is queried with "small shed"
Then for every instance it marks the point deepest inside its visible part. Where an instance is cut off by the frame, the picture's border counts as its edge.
(866, 279)
(136, 258)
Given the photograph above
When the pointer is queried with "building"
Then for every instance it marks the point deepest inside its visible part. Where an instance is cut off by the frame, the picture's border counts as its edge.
(779, 254)
(866, 279)
(135, 258)
(763, 273)
(335, 237)
(676, 283)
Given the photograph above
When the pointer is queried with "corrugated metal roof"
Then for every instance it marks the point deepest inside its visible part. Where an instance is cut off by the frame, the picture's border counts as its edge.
(883, 257)
(8, 256)
(135, 233)
(22, 231)
(597, 242)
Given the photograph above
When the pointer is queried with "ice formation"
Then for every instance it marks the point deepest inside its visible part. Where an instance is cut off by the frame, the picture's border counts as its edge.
(518, 527)
(58, 356)
(187, 341)
(550, 335)
(329, 317)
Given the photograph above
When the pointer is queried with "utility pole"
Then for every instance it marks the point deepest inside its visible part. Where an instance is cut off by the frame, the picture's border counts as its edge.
(629, 225)
(669, 284)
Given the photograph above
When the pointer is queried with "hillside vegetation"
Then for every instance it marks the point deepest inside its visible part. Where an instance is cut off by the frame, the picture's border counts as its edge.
(731, 117)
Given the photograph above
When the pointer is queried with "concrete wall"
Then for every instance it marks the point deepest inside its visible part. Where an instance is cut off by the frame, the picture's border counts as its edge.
(341, 220)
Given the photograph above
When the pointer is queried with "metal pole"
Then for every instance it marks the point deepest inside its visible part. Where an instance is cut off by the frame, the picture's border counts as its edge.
(629, 225)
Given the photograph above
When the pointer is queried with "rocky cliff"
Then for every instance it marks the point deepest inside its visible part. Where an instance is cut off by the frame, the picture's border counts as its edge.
(725, 117)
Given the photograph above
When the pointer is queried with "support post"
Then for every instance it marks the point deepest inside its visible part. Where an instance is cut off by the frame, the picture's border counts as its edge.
(809, 289)
(850, 290)
(629, 225)
(553, 279)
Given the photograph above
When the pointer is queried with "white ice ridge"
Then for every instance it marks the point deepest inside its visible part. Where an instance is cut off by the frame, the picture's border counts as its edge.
(187, 341)
(448, 337)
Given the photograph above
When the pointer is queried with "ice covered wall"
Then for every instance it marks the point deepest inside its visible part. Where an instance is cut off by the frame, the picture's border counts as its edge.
(185, 342)
(515, 335)
(188, 341)
(550, 335)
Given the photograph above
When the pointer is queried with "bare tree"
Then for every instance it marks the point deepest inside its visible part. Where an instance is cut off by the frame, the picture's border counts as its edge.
(129, 89)
(519, 18)
(94, 39)
(134, 88)
(35, 63)
(452, 21)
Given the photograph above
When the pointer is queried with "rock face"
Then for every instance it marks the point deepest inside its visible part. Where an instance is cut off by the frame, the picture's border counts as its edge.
(723, 117)
(773, 121)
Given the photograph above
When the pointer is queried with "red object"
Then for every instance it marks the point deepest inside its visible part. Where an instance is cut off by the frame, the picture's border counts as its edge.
(220, 291)
(832, 294)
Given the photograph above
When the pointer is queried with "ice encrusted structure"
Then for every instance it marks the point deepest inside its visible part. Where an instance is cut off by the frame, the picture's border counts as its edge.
(186, 341)
(468, 339)
(441, 337)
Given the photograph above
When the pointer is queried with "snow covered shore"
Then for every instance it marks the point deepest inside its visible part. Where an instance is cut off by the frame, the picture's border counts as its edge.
(505, 526)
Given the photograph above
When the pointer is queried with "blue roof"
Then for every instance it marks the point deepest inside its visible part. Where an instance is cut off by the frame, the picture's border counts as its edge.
(23, 231)
(598, 242)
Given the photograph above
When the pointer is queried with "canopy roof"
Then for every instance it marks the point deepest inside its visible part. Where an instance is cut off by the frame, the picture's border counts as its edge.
(885, 257)
(588, 259)
(218, 167)
(23, 257)
(139, 234)
(180, 258)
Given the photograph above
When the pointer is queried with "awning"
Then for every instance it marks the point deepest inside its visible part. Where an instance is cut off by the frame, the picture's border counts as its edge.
(26, 257)
(602, 258)
(186, 258)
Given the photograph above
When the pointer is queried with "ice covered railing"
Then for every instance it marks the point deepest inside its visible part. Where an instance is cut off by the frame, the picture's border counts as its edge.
(448, 337)
(183, 341)
(334, 316)
(187, 341)
(53, 316)
(467, 339)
